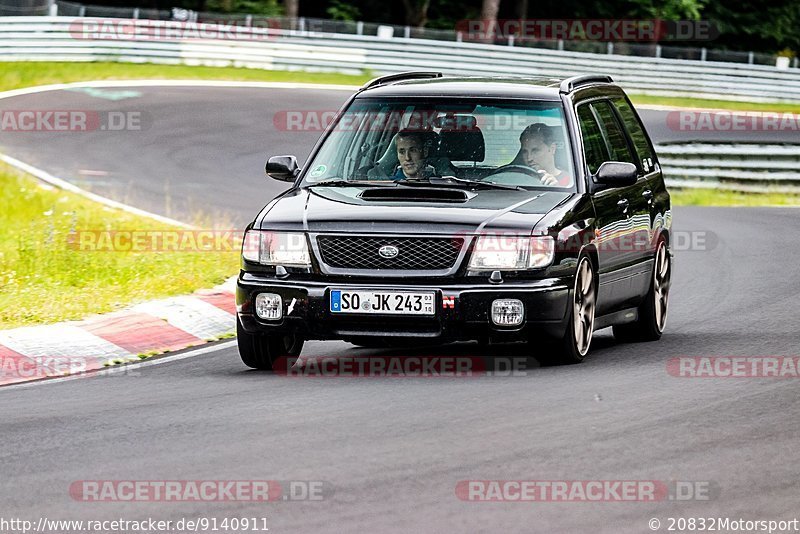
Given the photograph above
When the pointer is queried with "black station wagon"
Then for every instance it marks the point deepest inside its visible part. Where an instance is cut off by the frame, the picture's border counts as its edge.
(438, 209)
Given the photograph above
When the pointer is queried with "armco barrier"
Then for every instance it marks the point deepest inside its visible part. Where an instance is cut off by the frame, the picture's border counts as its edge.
(56, 39)
(734, 167)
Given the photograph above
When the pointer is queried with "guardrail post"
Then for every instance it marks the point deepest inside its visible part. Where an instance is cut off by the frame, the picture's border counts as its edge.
(610, 48)
(52, 10)
(561, 44)
(751, 57)
(458, 37)
(703, 54)
(360, 28)
(248, 21)
(301, 26)
(135, 13)
(658, 50)
(407, 32)
(511, 40)
(82, 11)
(795, 62)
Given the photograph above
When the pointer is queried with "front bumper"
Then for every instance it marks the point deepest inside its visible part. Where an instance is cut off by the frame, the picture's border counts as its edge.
(306, 310)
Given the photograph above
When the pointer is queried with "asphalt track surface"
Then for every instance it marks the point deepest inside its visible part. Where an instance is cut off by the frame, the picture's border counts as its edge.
(393, 449)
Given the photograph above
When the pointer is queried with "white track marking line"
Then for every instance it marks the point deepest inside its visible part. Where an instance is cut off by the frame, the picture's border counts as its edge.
(175, 83)
(48, 178)
(125, 368)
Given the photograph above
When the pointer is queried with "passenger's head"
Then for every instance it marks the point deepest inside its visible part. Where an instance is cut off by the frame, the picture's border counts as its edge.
(411, 152)
(538, 145)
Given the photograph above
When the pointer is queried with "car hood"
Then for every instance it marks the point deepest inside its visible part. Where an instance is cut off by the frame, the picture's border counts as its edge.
(342, 209)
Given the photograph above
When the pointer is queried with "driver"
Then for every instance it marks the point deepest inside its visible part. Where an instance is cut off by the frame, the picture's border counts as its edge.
(412, 153)
(538, 150)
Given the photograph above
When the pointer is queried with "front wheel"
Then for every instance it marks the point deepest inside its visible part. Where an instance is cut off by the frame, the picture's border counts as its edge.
(265, 352)
(653, 311)
(574, 345)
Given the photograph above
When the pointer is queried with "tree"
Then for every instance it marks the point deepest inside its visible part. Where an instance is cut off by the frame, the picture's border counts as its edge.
(489, 17)
(416, 12)
(292, 8)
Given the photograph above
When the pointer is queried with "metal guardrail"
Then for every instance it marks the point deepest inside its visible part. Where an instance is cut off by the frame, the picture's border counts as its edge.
(60, 39)
(627, 48)
(751, 168)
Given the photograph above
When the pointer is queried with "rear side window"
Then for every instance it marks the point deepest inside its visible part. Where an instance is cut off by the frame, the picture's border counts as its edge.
(637, 133)
(614, 134)
(593, 144)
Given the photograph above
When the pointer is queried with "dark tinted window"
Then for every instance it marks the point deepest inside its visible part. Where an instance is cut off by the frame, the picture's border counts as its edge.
(614, 135)
(593, 144)
(636, 132)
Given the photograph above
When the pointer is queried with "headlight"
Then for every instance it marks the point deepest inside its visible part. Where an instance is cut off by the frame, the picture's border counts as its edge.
(506, 253)
(276, 248)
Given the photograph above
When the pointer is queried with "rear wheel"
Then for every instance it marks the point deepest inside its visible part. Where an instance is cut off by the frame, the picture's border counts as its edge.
(653, 311)
(265, 352)
(574, 345)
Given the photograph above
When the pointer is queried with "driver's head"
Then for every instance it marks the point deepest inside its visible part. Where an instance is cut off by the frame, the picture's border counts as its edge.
(538, 146)
(411, 152)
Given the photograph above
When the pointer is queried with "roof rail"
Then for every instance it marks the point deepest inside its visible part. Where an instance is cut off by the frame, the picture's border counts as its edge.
(572, 83)
(401, 76)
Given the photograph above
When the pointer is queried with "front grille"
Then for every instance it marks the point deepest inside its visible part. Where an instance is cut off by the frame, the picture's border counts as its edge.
(415, 253)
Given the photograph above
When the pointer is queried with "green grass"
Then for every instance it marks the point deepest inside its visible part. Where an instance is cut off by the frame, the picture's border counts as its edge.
(713, 104)
(15, 75)
(43, 279)
(715, 197)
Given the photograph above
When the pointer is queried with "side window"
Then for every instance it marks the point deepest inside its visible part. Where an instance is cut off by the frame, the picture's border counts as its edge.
(614, 134)
(593, 144)
(637, 133)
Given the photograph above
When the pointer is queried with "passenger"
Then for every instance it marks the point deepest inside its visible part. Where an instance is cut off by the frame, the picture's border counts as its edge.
(538, 150)
(412, 153)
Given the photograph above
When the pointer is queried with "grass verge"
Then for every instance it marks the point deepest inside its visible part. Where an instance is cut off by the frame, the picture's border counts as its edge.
(713, 104)
(16, 75)
(715, 197)
(45, 279)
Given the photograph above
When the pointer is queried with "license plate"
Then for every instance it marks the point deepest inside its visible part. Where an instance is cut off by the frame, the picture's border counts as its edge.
(383, 302)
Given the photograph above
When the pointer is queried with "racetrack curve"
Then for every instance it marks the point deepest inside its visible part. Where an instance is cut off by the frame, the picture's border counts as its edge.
(394, 449)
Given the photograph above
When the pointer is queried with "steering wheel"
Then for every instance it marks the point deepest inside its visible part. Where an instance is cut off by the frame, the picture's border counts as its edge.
(523, 169)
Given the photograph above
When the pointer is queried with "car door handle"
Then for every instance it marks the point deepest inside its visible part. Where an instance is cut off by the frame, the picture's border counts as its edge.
(623, 203)
(647, 194)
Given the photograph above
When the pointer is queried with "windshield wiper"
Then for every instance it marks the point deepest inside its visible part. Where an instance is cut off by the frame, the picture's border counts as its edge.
(345, 183)
(452, 180)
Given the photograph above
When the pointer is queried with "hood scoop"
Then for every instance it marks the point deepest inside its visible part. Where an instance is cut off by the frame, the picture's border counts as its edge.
(414, 194)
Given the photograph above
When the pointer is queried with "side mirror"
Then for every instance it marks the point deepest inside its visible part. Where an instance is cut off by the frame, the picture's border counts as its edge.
(616, 174)
(283, 168)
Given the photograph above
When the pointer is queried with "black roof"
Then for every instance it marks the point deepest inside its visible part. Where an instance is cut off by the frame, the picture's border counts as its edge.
(434, 84)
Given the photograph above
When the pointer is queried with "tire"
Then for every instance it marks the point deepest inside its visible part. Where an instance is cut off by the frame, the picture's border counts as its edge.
(260, 351)
(653, 311)
(577, 339)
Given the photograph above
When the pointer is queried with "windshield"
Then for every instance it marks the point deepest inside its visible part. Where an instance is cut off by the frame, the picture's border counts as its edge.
(512, 143)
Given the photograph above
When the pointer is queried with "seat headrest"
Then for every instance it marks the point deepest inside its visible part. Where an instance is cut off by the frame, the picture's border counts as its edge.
(461, 139)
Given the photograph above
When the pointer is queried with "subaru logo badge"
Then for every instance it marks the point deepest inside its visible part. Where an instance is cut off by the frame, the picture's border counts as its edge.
(388, 251)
